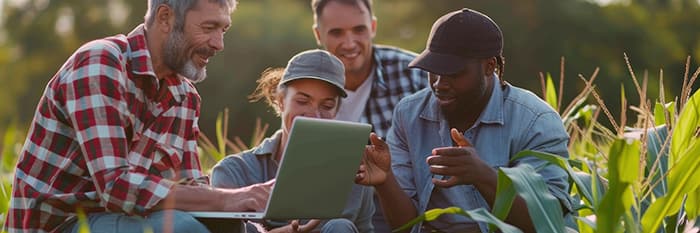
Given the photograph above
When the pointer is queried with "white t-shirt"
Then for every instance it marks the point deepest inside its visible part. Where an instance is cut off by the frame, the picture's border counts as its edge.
(353, 105)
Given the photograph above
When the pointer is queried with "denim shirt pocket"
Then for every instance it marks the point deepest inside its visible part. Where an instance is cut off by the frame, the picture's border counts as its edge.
(494, 149)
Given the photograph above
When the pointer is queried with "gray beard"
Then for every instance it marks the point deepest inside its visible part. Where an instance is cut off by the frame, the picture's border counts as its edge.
(175, 58)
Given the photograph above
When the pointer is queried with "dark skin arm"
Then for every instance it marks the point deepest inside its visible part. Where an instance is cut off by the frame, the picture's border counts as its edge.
(375, 170)
(464, 166)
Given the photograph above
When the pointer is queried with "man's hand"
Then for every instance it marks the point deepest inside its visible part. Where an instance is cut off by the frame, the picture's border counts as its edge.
(376, 163)
(461, 163)
(295, 227)
(249, 198)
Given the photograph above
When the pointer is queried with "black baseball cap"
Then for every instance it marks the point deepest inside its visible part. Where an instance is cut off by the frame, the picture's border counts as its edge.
(457, 37)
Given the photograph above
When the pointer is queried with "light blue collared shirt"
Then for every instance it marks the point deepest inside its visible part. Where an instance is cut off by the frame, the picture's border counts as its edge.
(514, 120)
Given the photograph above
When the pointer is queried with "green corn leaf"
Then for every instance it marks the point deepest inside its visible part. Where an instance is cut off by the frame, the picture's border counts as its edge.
(505, 195)
(623, 170)
(551, 90)
(683, 178)
(479, 215)
(544, 209)
(686, 130)
(583, 187)
(660, 113)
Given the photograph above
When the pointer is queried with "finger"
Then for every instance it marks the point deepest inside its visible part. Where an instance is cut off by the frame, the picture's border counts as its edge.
(295, 225)
(362, 168)
(453, 151)
(447, 171)
(313, 223)
(253, 205)
(377, 141)
(449, 161)
(360, 178)
(364, 157)
(445, 183)
(459, 138)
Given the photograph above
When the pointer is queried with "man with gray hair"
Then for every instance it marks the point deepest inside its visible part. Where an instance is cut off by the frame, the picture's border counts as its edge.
(114, 135)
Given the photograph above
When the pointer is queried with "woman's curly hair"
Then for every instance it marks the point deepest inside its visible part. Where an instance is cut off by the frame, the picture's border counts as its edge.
(268, 88)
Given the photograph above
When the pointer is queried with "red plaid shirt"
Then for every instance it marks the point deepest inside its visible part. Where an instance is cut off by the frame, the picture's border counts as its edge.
(107, 136)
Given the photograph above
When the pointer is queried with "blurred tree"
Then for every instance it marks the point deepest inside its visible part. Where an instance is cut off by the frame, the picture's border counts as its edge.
(37, 36)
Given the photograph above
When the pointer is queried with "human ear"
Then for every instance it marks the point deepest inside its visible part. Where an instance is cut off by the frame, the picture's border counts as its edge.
(489, 65)
(317, 35)
(164, 18)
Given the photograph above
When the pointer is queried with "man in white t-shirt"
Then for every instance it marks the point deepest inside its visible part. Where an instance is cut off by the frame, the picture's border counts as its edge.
(376, 76)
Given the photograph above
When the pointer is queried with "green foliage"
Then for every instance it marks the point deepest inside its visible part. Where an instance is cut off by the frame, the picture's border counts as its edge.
(542, 206)
(551, 93)
(8, 155)
(683, 180)
(37, 36)
(480, 215)
(663, 111)
(623, 170)
(211, 153)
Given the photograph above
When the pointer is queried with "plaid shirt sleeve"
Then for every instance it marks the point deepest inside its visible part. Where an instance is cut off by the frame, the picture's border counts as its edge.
(94, 95)
(107, 135)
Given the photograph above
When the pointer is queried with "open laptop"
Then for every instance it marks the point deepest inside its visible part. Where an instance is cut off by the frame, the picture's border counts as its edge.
(316, 173)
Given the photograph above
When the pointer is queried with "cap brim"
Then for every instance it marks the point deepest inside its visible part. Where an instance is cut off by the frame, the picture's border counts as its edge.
(438, 63)
(343, 93)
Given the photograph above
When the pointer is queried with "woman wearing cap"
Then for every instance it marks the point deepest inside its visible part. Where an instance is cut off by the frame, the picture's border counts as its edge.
(311, 85)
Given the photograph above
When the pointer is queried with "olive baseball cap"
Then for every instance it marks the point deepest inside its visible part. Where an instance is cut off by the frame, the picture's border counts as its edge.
(316, 64)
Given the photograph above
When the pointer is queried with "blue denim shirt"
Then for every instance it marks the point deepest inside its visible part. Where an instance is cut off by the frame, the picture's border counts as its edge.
(514, 120)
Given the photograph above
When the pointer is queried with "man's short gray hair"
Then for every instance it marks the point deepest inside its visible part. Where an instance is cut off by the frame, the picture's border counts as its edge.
(180, 7)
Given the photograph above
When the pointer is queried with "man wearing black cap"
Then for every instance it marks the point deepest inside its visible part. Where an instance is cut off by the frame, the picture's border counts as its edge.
(447, 142)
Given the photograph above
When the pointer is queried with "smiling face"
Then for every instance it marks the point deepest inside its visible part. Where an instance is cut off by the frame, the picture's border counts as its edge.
(346, 31)
(188, 47)
(309, 98)
(465, 92)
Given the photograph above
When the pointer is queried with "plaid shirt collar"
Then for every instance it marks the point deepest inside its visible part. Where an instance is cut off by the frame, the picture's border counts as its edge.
(379, 70)
(141, 64)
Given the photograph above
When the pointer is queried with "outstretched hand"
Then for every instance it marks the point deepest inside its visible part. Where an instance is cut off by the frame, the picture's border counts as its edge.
(461, 163)
(376, 163)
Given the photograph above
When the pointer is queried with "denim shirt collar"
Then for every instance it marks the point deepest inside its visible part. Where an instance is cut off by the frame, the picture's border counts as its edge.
(492, 114)
(268, 146)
